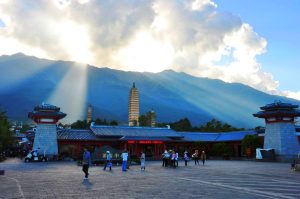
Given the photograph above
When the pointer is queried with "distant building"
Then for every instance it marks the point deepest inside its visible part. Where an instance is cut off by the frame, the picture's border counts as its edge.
(89, 114)
(152, 117)
(133, 107)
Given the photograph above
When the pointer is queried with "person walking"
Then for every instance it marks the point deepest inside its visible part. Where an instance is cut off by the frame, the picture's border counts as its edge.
(186, 158)
(125, 158)
(86, 162)
(108, 161)
(203, 157)
(176, 159)
(195, 156)
(143, 160)
(165, 157)
(173, 157)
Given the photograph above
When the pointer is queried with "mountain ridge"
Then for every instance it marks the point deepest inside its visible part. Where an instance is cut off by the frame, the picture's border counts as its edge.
(26, 81)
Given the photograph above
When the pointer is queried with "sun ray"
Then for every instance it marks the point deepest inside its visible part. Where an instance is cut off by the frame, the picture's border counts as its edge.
(73, 91)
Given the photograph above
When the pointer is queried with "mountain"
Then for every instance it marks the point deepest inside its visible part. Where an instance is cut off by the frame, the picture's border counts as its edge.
(26, 81)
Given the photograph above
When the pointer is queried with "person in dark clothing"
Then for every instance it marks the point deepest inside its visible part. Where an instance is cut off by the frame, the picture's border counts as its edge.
(293, 166)
(195, 156)
(86, 162)
(203, 157)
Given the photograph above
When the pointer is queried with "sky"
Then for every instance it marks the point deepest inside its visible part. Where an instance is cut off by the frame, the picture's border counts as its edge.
(252, 42)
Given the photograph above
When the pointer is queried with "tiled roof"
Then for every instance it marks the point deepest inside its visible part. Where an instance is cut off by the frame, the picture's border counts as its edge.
(121, 131)
(215, 137)
(75, 134)
(138, 133)
(234, 136)
(125, 138)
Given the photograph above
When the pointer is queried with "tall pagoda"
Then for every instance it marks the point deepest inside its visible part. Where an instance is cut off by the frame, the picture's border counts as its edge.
(46, 116)
(133, 107)
(280, 133)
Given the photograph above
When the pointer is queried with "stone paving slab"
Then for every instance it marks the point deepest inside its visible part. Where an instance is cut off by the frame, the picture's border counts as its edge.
(217, 179)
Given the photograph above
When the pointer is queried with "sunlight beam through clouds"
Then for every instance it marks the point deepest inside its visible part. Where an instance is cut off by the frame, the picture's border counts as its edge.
(190, 36)
(72, 92)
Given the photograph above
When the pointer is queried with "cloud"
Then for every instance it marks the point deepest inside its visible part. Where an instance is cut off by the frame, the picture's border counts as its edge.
(192, 36)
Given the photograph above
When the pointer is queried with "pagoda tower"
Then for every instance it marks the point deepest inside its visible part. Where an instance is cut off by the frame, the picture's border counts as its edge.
(280, 133)
(152, 117)
(133, 107)
(46, 116)
(89, 114)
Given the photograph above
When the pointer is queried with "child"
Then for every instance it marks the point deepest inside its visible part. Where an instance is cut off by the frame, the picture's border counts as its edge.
(143, 159)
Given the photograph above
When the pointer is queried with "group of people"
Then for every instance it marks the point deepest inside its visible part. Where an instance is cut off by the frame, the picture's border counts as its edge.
(170, 158)
(196, 157)
(86, 161)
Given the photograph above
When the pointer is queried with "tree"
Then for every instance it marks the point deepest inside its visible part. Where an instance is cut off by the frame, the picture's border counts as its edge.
(80, 124)
(202, 146)
(5, 135)
(143, 120)
(113, 123)
(222, 149)
(216, 126)
(250, 143)
(182, 125)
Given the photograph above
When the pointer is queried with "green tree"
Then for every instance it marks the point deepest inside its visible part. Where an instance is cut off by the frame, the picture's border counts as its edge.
(113, 123)
(222, 149)
(216, 126)
(202, 146)
(182, 125)
(250, 142)
(143, 120)
(80, 124)
(5, 135)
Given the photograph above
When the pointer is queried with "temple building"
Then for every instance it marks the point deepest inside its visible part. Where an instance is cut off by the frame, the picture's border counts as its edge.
(89, 114)
(133, 107)
(279, 134)
(46, 117)
(152, 141)
(280, 131)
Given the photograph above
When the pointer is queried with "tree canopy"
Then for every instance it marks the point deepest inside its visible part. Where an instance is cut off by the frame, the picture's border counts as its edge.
(5, 134)
(145, 120)
(211, 126)
(217, 126)
(83, 124)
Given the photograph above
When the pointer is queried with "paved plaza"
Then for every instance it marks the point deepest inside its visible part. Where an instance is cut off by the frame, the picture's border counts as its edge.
(217, 179)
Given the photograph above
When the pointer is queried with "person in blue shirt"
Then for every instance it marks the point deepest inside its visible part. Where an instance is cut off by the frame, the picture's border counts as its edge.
(86, 162)
(124, 158)
(108, 161)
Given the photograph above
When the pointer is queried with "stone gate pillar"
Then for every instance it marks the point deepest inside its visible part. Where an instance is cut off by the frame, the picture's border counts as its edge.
(46, 116)
(280, 133)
